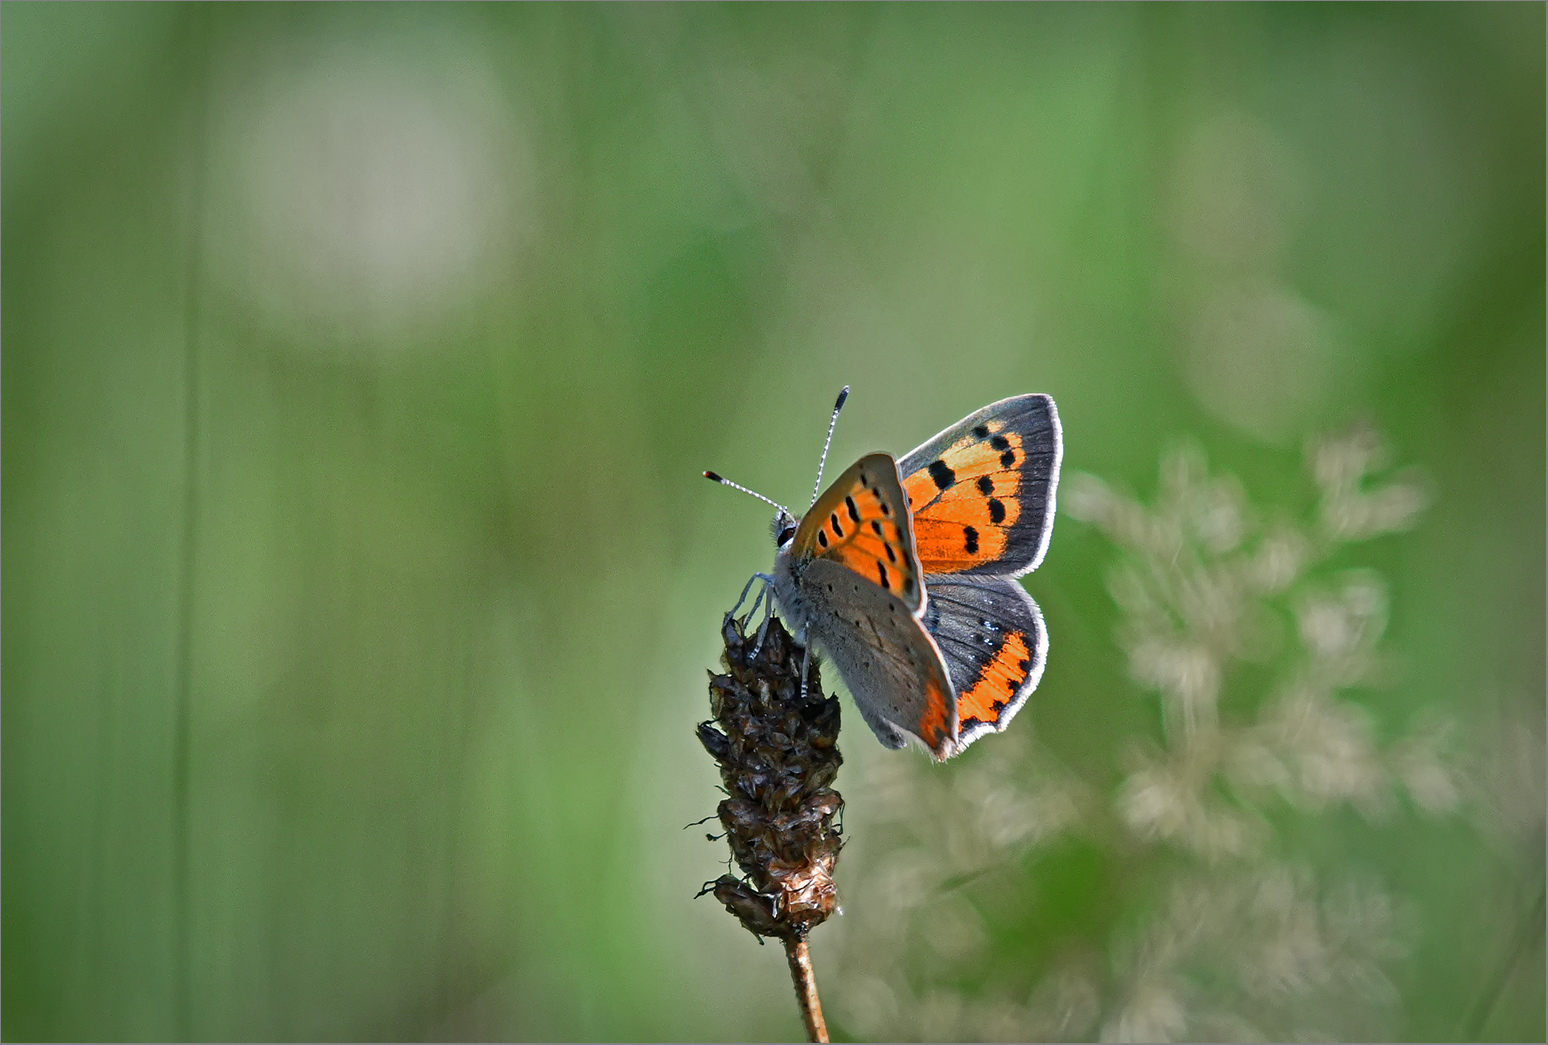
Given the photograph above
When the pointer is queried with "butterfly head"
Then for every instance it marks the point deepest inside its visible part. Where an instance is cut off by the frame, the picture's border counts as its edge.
(783, 528)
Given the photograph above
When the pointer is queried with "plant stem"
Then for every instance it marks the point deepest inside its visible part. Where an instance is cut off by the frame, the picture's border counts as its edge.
(806, 988)
(198, 45)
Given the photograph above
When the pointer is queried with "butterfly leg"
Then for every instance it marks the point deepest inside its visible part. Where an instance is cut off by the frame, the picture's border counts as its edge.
(753, 609)
(806, 659)
(754, 579)
(764, 599)
(768, 615)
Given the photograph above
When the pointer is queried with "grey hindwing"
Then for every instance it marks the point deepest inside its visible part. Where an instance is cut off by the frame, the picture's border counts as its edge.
(970, 618)
(881, 651)
(1036, 420)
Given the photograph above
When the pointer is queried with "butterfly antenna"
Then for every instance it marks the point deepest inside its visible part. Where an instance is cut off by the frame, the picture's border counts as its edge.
(832, 422)
(716, 478)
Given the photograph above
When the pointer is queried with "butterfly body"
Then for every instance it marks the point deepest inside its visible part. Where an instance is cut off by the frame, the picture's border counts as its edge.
(903, 574)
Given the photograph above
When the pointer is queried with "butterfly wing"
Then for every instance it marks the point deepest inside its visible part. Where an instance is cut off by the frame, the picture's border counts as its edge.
(974, 508)
(888, 661)
(862, 591)
(982, 492)
(992, 637)
(862, 522)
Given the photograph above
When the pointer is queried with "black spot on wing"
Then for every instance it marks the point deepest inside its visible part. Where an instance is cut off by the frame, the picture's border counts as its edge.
(1020, 453)
(854, 513)
(985, 485)
(833, 519)
(996, 511)
(822, 538)
(942, 474)
(876, 527)
(959, 615)
(882, 570)
(970, 540)
(892, 556)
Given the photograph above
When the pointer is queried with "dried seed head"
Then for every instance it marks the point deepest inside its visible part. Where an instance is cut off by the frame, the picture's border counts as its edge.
(778, 754)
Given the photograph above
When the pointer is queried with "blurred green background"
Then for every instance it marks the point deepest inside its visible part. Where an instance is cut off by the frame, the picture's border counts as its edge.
(359, 363)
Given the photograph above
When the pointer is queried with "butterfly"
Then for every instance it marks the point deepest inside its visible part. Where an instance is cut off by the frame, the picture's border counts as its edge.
(903, 573)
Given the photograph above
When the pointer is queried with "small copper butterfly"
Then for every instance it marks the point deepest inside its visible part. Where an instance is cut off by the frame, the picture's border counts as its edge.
(903, 573)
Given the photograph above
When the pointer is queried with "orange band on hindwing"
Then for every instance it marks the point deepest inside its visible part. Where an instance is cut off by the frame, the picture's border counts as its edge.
(997, 683)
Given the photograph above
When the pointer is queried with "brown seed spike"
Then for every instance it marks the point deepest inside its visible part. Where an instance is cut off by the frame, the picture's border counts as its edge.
(774, 735)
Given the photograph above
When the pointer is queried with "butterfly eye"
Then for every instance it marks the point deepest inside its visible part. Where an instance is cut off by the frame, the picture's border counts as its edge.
(785, 536)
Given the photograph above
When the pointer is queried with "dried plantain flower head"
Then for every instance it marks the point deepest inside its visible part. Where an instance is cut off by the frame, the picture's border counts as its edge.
(778, 754)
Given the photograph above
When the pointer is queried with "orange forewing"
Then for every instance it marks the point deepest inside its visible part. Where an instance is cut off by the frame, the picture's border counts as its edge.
(965, 502)
(861, 522)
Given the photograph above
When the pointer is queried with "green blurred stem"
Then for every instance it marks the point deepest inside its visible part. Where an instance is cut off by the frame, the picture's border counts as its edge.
(1526, 933)
(182, 727)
